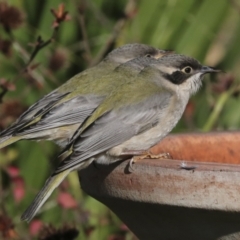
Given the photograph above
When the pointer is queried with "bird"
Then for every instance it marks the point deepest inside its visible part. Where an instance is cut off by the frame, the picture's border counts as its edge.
(134, 116)
(60, 113)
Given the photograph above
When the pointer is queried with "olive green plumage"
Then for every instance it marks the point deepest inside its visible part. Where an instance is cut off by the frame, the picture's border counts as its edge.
(134, 115)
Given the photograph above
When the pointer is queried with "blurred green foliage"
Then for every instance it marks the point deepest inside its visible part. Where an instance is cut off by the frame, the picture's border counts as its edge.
(206, 30)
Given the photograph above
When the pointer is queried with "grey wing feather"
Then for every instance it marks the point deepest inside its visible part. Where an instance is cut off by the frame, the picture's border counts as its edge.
(38, 108)
(42, 105)
(71, 112)
(114, 128)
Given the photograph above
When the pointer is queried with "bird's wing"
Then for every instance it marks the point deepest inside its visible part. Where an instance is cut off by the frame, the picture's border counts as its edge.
(114, 128)
(33, 112)
(73, 111)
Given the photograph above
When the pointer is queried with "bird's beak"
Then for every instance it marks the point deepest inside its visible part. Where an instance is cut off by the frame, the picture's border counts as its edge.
(162, 53)
(206, 69)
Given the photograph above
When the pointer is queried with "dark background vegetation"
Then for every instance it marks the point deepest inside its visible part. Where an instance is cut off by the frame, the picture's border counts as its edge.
(206, 30)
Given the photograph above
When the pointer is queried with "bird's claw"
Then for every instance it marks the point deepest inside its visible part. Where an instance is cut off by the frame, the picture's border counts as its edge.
(148, 155)
(131, 165)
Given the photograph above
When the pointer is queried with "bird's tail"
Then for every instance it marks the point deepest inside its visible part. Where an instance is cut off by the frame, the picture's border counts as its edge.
(43, 195)
(7, 140)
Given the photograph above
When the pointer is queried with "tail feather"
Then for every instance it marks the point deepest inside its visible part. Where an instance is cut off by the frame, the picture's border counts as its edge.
(43, 195)
(7, 140)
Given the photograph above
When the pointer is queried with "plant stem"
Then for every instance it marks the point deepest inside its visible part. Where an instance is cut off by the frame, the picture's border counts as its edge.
(211, 121)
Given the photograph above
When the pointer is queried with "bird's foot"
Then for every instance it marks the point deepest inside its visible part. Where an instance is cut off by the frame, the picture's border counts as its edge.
(148, 155)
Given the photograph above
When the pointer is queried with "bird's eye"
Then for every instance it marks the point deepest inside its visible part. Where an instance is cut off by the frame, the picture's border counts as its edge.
(187, 70)
(148, 55)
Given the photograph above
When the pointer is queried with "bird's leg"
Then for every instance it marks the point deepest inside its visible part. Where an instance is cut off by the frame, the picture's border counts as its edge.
(139, 155)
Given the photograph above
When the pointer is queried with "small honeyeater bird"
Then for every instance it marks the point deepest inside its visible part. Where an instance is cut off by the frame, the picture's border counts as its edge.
(59, 114)
(134, 116)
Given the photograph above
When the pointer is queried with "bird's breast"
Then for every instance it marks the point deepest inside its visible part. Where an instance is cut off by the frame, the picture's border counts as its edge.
(167, 119)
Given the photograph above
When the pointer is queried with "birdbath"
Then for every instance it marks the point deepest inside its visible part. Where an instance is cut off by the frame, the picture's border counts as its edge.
(195, 195)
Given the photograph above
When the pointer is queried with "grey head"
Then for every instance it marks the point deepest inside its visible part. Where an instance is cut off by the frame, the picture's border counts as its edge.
(137, 64)
(130, 51)
(182, 70)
